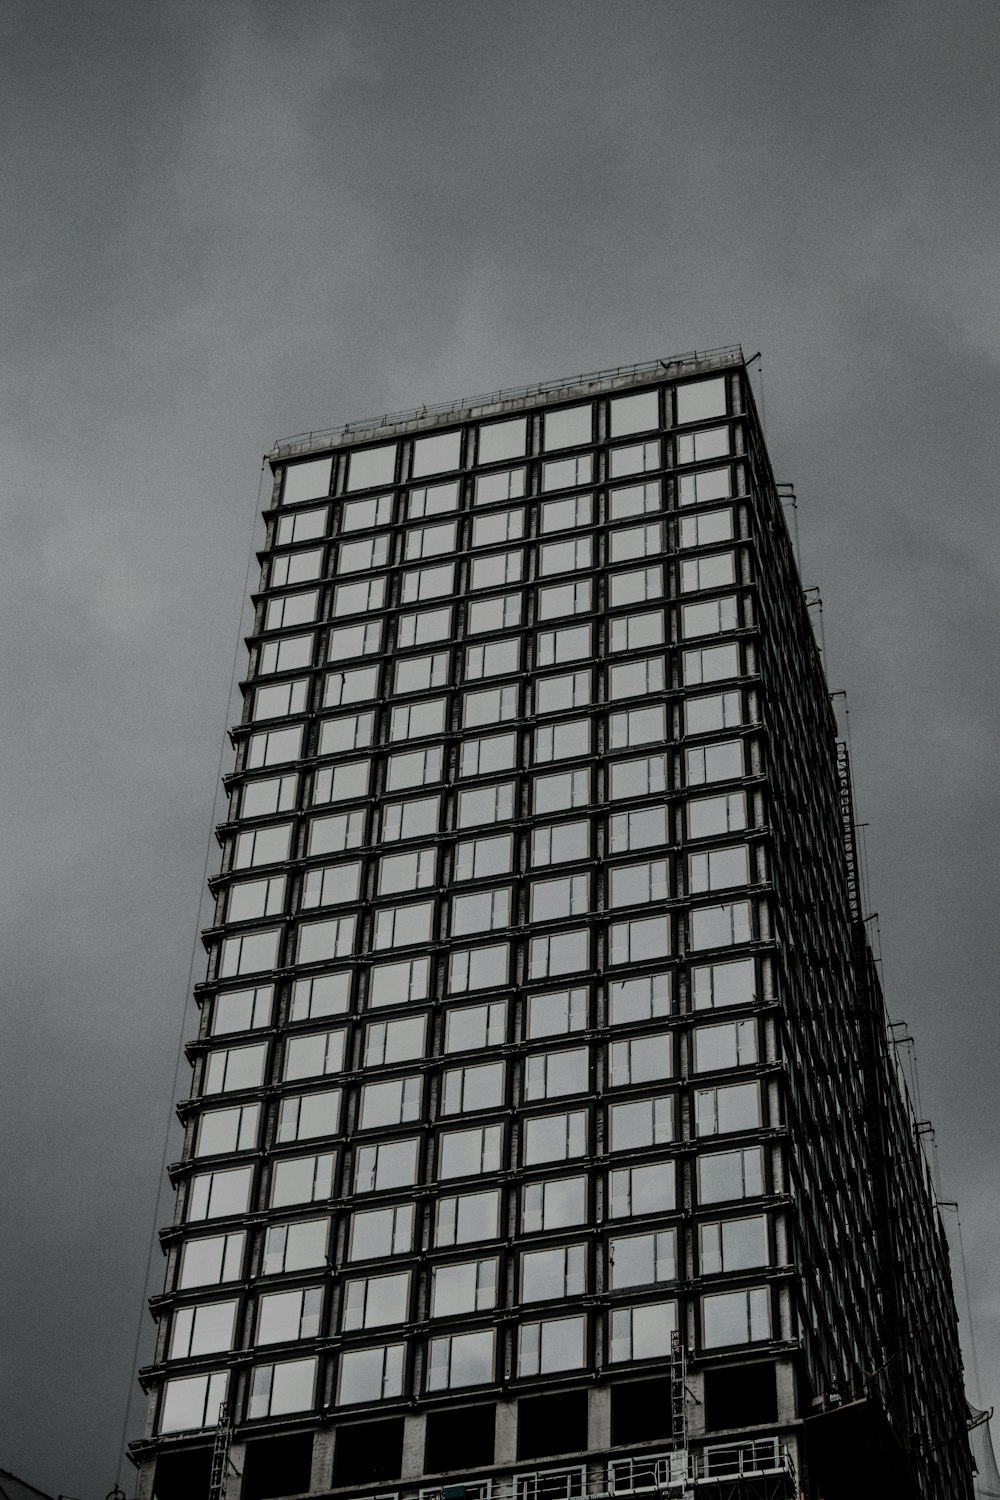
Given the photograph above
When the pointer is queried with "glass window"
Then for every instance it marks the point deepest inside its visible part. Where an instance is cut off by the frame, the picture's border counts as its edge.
(467, 1218)
(642, 997)
(496, 527)
(698, 447)
(707, 528)
(634, 500)
(283, 698)
(495, 569)
(429, 541)
(495, 659)
(242, 1010)
(561, 741)
(504, 484)
(296, 1246)
(635, 541)
(567, 473)
(476, 1086)
(423, 626)
(634, 1191)
(469, 1027)
(553, 1204)
(334, 835)
(568, 896)
(486, 804)
(272, 746)
(733, 1245)
(320, 995)
(303, 1117)
(731, 1045)
(572, 643)
(231, 1068)
(551, 1275)
(563, 790)
(260, 798)
(641, 1332)
(641, 1059)
(307, 481)
(742, 1317)
(346, 732)
(556, 1012)
(288, 1315)
(410, 820)
(704, 485)
(567, 427)
(302, 1179)
(633, 632)
(717, 985)
(347, 641)
(432, 500)
(468, 1153)
(205, 1329)
(710, 663)
(370, 467)
(460, 1359)
(563, 557)
(217, 1195)
(560, 1137)
(478, 968)
(489, 706)
(555, 694)
(356, 686)
(714, 711)
(469, 1286)
(427, 583)
(480, 911)
(410, 720)
(711, 618)
(362, 515)
(719, 762)
(398, 926)
(371, 1374)
(734, 1106)
(256, 898)
(560, 843)
(500, 440)
(333, 938)
(358, 598)
(560, 599)
(399, 983)
(551, 1075)
(192, 1402)
(730, 1175)
(361, 556)
(249, 953)
(394, 1101)
(314, 1054)
(634, 458)
(376, 1301)
(415, 674)
(640, 1123)
(566, 515)
(700, 400)
(642, 1259)
(640, 939)
(478, 858)
(385, 1166)
(287, 654)
(341, 782)
(378, 1232)
(717, 869)
(716, 570)
(501, 613)
(435, 454)
(407, 769)
(720, 926)
(639, 776)
(406, 872)
(280, 1388)
(636, 586)
(629, 679)
(636, 413)
(291, 609)
(553, 1345)
(394, 1041)
(643, 828)
(296, 567)
(559, 953)
(211, 1260)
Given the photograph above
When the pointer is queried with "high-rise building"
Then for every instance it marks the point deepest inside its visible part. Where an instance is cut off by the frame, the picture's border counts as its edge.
(544, 1137)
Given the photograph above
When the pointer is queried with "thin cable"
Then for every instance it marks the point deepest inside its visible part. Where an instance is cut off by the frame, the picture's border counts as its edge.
(184, 1011)
(968, 1306)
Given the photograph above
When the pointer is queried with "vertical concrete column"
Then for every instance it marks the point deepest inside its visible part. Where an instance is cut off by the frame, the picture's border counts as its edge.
(505, 1451)
(784, 1376)
(695, 1403)
(237, 1468)
(321, 1473)
(599, 1417)
(414, 1438)
(144, 1481)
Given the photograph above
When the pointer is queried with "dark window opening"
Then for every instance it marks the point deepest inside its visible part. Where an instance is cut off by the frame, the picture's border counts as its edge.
(277, 1466)
(178, 1476)
(640, 1411)
(368, 1451)
(740, 1396)
(462, 1439)
(552, 1424)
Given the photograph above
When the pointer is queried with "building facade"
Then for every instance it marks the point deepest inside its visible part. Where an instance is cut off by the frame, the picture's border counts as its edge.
(544, 1138)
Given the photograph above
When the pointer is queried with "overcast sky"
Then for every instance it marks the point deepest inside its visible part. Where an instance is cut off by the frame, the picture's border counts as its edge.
(226, 223)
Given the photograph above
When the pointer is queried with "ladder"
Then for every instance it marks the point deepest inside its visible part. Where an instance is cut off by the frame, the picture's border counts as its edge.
(220, 1455)
(678, 1394)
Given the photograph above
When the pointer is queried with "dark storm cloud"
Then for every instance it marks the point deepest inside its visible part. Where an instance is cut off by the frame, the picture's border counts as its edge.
(228, 223)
